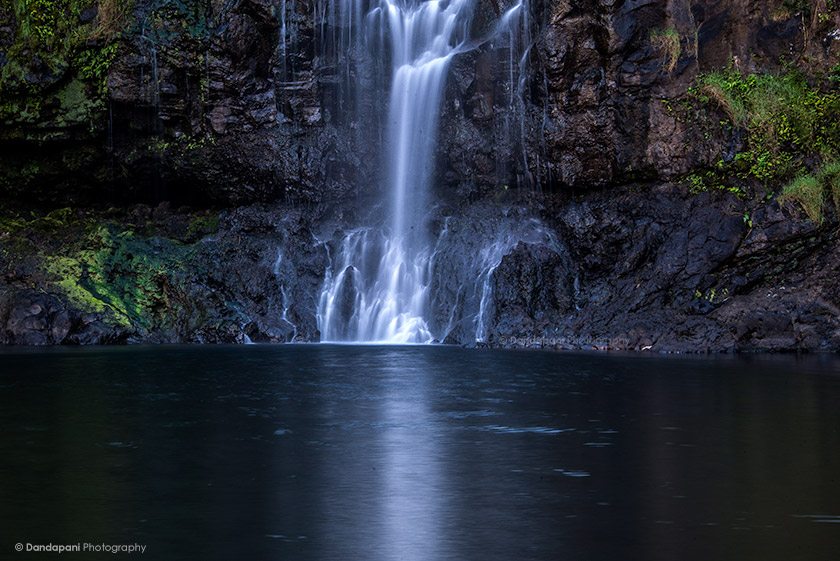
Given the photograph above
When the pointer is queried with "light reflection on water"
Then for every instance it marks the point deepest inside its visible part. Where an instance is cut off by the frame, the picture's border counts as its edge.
(413, 485)
(426, 453)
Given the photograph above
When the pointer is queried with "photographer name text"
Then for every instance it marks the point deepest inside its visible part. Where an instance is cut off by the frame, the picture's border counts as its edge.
(81, 547)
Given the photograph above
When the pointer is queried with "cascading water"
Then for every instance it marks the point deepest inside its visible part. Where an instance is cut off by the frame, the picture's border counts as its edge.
(380, 289)
(378, 286)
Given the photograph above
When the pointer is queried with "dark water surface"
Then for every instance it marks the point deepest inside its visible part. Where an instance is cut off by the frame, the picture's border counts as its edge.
(419, 453)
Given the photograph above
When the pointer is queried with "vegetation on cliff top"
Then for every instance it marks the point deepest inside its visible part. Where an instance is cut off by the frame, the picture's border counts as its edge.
(789, 128)
(58, 62)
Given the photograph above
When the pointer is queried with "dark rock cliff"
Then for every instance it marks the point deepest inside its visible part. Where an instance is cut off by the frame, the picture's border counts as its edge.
(245, 108)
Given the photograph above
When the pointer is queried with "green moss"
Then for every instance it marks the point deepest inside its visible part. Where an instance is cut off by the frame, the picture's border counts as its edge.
(76, 106)
(113, 271)
(172, 18)
(68, 275)
(806, 191)
(56, 68)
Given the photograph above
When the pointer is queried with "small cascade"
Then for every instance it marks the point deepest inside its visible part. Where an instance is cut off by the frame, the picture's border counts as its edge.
(464, 264)
(155, 97)
(374, 294)
(514, 31)
(284, 292)
(283, 42)
(288, 48)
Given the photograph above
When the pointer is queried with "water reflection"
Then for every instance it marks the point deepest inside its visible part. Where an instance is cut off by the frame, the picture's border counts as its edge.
(335, 453)
(413, 491)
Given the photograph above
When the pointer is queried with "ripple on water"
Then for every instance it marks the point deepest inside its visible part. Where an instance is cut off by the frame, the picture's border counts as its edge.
(469, 414)
(285, 538)
(573, 472)
(820, 518)
(504, 429)
(119, 444)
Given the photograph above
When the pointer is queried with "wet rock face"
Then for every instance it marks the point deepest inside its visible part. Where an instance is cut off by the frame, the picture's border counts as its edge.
(600, 84)
(658, 274)
(229, 127)
(36, 319)
(614, 270)
(239, 104)
(251, 101)
(256, 276)
(533, 289)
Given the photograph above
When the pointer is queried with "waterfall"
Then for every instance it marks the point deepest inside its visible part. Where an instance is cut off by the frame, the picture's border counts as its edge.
(379, 291)
(377, 288)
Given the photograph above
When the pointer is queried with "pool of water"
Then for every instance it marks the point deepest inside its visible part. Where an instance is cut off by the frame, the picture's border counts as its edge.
(419, 453)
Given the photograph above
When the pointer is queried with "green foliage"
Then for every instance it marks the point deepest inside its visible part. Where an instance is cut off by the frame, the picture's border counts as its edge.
(830, 177)
(50, 25)
(50, 44)
(667, 42)
(819, 10)
(788, 124)
(712, 295)
(711, 180)
(807, 191)
(93, 65)
(781, 113)
(810, 191)
(747, 220)
(726, 89)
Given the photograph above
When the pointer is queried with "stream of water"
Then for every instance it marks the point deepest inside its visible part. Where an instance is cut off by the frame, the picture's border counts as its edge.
(378, 286)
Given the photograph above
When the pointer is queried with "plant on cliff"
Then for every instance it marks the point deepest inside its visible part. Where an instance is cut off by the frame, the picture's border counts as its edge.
(781, 113)
(810, 191)
(667, 42)
(56, 43)
(202, 225)
(112, 18)
(830, 175)
(789, 125)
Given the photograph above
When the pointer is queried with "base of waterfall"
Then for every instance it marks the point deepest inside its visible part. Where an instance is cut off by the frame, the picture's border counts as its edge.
(378, 289)
(612, 271)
